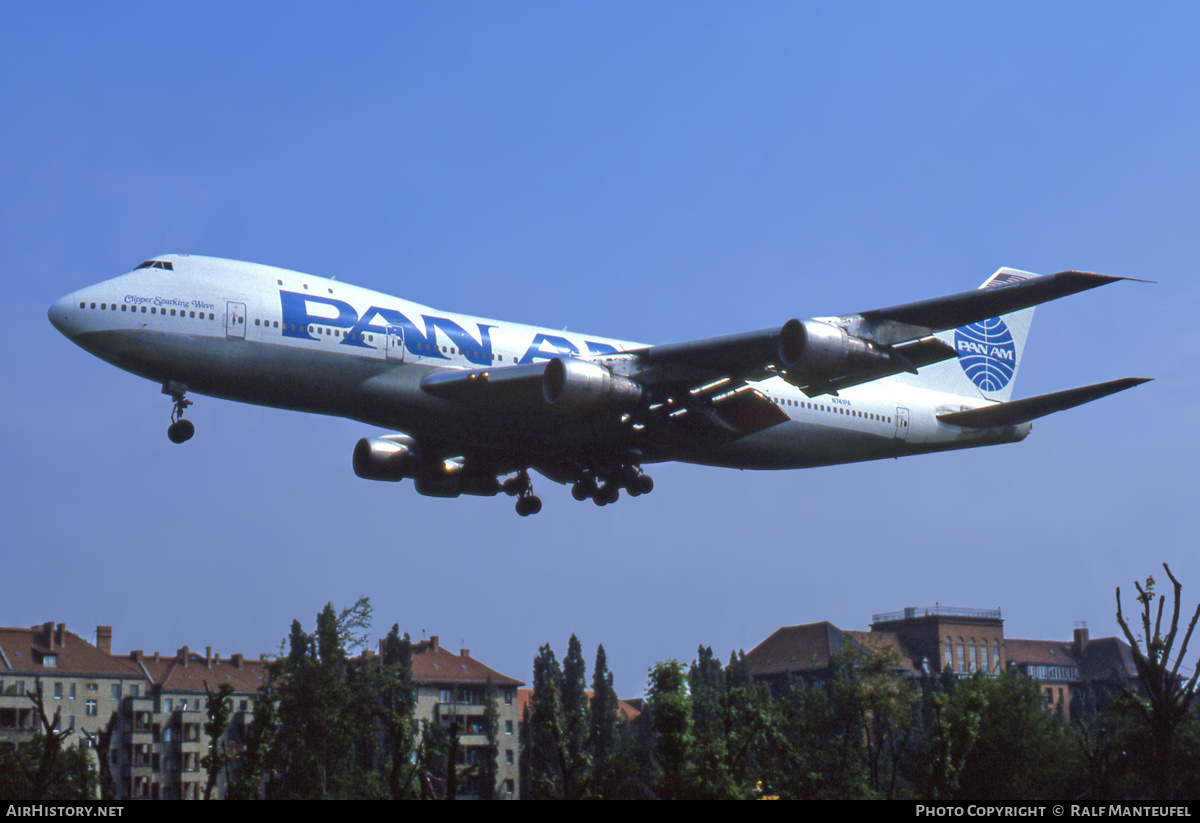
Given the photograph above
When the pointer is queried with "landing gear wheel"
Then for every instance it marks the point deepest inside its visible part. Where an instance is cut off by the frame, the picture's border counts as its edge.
(530, 504)
(181, 431)
(584, 488)
(607, 493)
(642, 485)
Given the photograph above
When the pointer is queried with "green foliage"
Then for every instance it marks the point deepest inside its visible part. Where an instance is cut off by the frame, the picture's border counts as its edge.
(1166, 696)
(326, 745)
(954, 713)
(397, 698)
(219, 708)
(1022, 750)
(488, 769)
(671, 717)
(260, 733)
(710, 779)
(72, 775)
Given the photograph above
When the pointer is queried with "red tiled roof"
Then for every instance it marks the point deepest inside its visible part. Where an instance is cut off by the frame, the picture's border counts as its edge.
(23, 649)
(1038, 652)
(626, 711)
(174, 675)
(796, 648)
(433, 664)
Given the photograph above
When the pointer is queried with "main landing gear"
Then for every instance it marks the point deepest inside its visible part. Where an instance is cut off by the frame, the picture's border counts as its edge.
(180, 430)
(521, 488)
(607, 490)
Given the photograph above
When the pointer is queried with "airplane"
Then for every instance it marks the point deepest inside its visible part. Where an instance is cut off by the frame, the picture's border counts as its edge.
(474, 400)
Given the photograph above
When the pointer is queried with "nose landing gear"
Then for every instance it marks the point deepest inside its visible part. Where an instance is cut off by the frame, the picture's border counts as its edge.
(180, 430)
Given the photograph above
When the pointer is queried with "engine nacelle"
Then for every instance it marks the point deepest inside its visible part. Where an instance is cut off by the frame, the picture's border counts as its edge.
(391, 457)
(825, 350)
(571, 383)
(450, 479)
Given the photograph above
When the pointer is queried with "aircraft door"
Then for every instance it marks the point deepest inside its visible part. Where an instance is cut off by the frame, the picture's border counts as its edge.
(901, 423)
(395, 343)
(235, 320)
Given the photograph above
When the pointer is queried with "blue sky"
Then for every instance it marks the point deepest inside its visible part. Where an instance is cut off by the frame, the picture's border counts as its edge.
(654, 172)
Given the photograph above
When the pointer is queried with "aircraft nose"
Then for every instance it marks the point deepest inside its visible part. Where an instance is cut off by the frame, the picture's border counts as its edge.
(61, 314)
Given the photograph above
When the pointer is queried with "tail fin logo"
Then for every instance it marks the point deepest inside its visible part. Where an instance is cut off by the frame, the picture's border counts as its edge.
(987, 353)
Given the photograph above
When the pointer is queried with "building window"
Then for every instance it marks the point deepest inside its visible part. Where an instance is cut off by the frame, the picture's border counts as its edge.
(91, 708)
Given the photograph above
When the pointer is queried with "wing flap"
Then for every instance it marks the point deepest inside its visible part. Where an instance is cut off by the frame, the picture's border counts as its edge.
(1031, 408)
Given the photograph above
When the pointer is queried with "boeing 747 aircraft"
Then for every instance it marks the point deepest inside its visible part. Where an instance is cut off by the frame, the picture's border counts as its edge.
(475, 400)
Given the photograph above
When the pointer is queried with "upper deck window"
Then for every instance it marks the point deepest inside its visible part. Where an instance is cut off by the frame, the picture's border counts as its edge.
(157, 264)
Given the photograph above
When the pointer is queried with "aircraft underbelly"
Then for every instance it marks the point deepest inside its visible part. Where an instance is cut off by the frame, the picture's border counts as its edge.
(796, 445)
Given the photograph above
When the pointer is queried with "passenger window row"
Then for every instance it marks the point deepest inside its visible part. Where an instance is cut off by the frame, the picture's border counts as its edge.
(152, 310)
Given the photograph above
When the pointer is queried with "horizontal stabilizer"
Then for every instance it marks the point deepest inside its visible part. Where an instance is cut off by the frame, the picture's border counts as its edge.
(1031, 408)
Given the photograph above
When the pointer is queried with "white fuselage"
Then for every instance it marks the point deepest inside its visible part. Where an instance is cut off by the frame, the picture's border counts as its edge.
(273, 337)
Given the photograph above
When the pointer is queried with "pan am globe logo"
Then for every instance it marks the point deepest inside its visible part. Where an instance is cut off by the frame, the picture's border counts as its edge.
(986, 353)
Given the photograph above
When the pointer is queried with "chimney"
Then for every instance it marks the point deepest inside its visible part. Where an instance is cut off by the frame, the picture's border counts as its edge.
(58, 634)
(1079, 647)
(137, 656)
(46, 635)
(433, 642)
(156, 657)
(182, 655)
(236, 660)
(104, 639)
(465, 653)
(208, 656)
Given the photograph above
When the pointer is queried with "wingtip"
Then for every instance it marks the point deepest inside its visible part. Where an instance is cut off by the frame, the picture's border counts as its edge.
(1105, 278)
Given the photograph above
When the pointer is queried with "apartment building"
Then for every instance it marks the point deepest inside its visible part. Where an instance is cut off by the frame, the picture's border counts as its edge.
(452, 688)
(938, 639)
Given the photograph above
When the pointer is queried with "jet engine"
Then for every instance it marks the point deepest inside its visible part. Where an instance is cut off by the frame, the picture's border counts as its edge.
(825, 350)
(571, 383)
(391, 457)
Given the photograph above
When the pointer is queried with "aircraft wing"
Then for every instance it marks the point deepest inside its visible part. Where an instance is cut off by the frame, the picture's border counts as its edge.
(826, 354)
(702, 388)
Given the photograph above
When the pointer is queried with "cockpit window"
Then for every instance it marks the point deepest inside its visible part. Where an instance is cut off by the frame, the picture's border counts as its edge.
(157, 264)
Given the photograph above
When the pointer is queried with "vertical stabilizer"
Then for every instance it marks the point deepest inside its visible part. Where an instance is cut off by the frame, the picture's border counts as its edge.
(989, 352)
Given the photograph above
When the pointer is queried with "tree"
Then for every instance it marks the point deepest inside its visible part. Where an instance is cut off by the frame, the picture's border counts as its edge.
(398, 702)
(954, 712)
(602, 737)
(324, 748)
(1022, 750)
(576, 762)
(219, 709)
(749, 725)
(260, 733)
(671, 717)
(489, 769)
(544, 729)
(1166, 696)
(706, 685)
